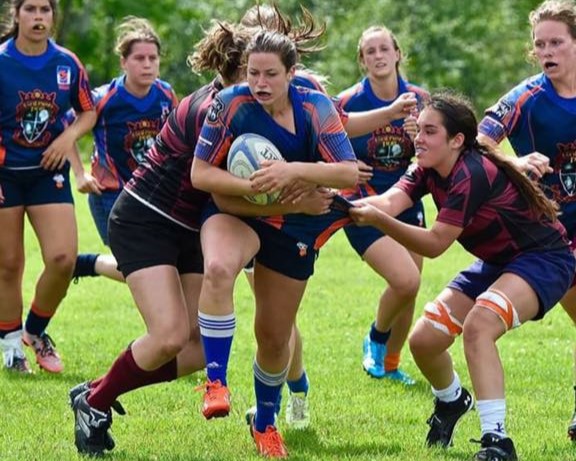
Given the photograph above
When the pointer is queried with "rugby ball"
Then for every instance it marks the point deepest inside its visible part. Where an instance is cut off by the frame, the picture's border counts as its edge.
(244, 157)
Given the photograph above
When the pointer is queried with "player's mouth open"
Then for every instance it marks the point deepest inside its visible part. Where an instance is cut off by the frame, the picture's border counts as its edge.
(39, 27)
(550, 65)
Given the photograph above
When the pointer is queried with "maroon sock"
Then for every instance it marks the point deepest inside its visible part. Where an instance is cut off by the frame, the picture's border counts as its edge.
(125, 375)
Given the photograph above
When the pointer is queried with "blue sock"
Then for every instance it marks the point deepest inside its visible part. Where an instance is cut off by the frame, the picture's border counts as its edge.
(300, 385)
(217, 332)
(377, 336)
(85, 265)
(267, 387)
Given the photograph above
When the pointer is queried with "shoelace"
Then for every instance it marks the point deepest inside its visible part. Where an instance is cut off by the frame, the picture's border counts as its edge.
(274, 442)
(211, 388)
(298, 407)
(45, 345)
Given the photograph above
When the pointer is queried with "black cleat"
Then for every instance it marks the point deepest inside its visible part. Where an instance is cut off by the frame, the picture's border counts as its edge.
(443, 421)
(91, 427)
(496, 448)
(572, 428)
(85, 386)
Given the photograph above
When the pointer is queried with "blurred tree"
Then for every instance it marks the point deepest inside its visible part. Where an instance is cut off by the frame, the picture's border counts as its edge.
(478, 48)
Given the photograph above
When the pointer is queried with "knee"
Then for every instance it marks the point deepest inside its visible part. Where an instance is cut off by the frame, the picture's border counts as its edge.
(406, 286)
(219, 275)
(479, 327)
(61, 263)
(420, 340)
(172, 342)
(11, 266)
(272, 344)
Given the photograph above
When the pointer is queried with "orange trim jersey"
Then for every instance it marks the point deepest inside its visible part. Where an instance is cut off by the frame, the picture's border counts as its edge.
(36, 94)
(319, 137)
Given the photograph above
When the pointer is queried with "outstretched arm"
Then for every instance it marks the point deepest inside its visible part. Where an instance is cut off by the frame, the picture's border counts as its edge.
(427, 242)
(361, 123)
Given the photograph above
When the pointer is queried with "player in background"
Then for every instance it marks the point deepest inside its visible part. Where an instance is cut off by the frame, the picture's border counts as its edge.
(383, 157)
(538, 117)
(307, 130)
(39, 82)
(524, 266)
(131, 110)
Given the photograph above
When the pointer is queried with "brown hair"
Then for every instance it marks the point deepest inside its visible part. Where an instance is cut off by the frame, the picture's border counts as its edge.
(553, 10)
(134, 30)
(267, 41)
(222, 50)
(305, 34)
(10, 29)
(458, 117)
(373, 29)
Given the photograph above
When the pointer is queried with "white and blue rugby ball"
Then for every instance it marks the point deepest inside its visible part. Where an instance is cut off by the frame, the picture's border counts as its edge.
(244, 157)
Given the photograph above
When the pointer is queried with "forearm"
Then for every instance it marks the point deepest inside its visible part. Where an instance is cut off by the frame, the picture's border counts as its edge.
(241, 207)
(361, 123)
(76, 162)
(338, 175)
(417, 239)
(84, 122)
(209, 178)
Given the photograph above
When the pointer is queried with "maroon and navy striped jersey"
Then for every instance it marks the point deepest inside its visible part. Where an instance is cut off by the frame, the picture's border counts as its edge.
(498, 223)
(162, 181)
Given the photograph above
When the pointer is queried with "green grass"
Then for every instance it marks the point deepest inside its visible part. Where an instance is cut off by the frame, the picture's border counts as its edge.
(354, 417)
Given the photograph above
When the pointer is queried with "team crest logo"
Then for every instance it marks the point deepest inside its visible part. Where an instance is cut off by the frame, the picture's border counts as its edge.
(302, 249)
(63, 77)
(140, 139)
(387, 146)
(566, 169)
(34, 113)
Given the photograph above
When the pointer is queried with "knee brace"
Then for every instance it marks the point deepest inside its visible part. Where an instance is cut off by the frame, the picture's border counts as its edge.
(439, 316)
(498, 302)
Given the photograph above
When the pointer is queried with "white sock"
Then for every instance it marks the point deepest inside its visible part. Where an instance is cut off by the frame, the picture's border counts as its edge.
(492, 414)
(451, 393)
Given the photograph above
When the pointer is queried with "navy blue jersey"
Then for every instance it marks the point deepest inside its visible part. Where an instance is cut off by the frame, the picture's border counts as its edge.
(162, 181)
(126, 129)
(319, 136)
(536, 119)
(389, 149)
(36, 92)
(498, 223)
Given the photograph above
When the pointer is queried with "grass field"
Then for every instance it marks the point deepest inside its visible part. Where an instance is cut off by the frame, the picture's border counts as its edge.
(354, 417)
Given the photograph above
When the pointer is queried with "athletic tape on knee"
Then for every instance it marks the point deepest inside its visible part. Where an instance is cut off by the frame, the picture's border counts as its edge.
(439, 316)
(498, 302)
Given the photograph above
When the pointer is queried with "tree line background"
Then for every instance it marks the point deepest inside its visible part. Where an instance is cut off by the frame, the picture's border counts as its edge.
(477, 47)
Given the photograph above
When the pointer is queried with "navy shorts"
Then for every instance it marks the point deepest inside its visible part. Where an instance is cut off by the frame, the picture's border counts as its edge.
(283, 253)
(100, 207)
(549, 274)
(35, 186)
(141, 237)
(362, 237)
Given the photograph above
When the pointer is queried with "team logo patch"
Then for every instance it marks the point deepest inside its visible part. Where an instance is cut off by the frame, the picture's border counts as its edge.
(566, 169)
(390, 148)
(34, 113)
(63, 77)
(139, 140)
(302, 249)
(215, 110)
(59, 180)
